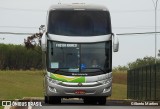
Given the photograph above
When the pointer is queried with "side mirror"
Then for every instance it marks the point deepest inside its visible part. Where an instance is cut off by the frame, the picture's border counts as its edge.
(115, 43)
(44, 42)
(42, 29)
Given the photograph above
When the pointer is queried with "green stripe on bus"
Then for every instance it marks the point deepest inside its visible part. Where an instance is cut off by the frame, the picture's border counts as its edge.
(75, 79)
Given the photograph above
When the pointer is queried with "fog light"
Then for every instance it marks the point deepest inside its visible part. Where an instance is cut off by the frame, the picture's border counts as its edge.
(52, 89)
(107, 89)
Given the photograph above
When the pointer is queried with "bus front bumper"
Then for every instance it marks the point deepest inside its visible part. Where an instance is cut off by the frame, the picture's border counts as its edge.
(65, 89)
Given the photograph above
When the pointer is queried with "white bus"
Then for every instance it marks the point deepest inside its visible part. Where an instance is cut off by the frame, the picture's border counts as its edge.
(77, 46)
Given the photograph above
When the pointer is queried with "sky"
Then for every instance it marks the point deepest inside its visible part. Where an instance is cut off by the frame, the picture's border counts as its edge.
(127, 16)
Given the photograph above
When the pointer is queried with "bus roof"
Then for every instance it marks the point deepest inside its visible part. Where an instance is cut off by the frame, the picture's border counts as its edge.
(77, 7)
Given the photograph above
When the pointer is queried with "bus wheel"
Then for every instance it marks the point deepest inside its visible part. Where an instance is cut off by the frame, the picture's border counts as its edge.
(54, 100)
(102, 100)
(45, 99)
(90, 101)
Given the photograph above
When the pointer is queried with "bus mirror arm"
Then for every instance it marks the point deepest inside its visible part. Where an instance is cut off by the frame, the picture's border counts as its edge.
(43, 42)
(115, 43)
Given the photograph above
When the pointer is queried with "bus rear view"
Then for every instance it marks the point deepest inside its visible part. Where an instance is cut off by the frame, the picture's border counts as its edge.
(77, 49)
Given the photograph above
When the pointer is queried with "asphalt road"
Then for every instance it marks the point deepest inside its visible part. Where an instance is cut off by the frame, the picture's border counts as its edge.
(78, 104)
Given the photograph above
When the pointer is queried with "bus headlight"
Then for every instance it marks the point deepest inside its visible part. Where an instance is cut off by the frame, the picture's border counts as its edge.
(107, 81)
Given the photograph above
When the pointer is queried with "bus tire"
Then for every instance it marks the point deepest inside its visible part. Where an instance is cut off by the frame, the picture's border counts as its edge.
(102, 100)
(90, 100)
(54, 100)
(45, 99)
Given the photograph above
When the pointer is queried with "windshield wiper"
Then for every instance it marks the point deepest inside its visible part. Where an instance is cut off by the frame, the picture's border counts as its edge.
(59, 69)
(56, 70)
(98, 69)
(102, 70)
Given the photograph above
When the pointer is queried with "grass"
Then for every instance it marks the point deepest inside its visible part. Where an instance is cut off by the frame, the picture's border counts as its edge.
(120, 77)
(119, 85)
(119, 91)
(19, 84)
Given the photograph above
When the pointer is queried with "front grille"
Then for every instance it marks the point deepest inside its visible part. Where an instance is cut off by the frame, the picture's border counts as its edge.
(80, 84)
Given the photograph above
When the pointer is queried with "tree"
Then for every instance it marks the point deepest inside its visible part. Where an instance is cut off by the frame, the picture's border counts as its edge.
(143, 62)
(16, 57)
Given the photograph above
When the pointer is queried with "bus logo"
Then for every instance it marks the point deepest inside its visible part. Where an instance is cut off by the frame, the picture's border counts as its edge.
(80, 84)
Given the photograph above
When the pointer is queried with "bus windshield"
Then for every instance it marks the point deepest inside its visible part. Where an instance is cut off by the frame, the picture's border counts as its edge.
(79, 58)
(79, 22)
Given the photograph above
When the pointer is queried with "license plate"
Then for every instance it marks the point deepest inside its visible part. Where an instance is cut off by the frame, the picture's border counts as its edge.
(80, 92)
